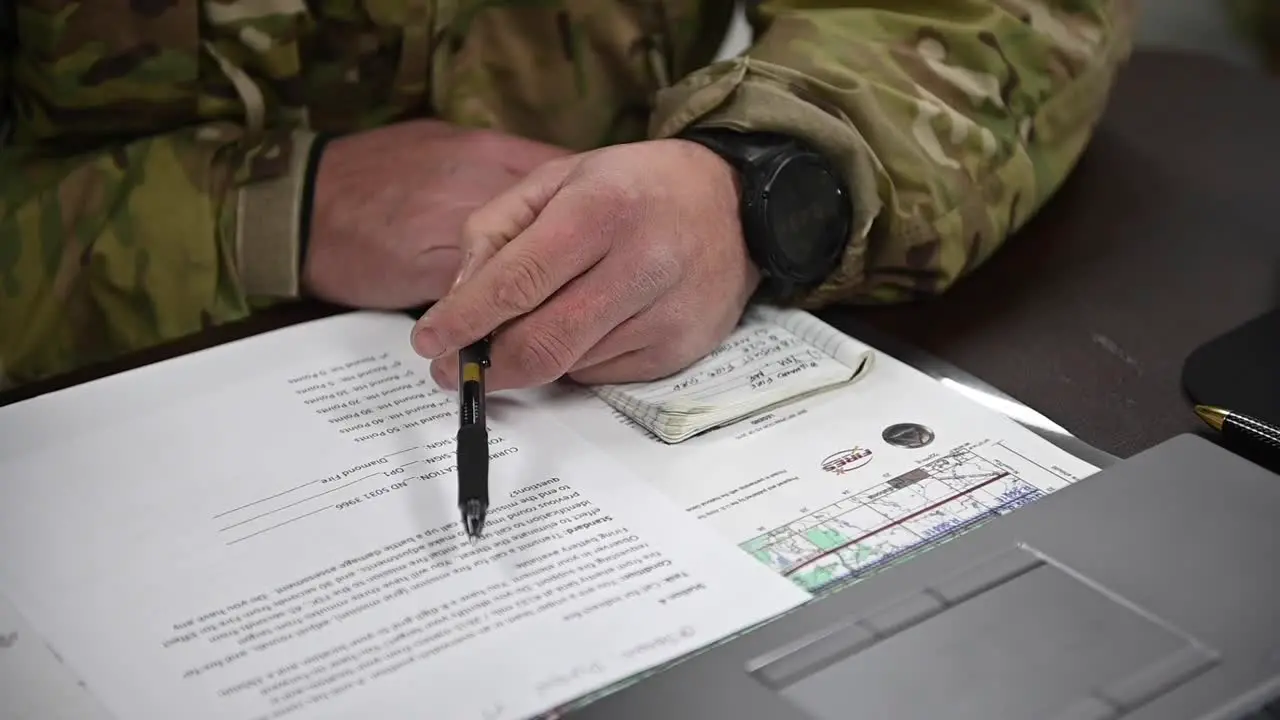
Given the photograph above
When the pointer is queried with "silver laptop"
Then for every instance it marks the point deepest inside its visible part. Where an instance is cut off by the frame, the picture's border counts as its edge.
(1148, 591)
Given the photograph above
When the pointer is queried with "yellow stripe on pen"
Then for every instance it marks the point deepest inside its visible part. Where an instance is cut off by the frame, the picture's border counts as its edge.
(471, 372)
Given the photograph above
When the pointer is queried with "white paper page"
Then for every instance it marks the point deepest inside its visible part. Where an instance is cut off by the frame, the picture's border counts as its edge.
(823, 491)
(269, 529)
(34, 684)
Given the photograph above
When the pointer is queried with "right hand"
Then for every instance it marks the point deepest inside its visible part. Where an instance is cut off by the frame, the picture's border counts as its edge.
(390, 204)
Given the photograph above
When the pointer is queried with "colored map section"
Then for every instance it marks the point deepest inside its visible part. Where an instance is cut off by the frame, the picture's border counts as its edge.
(859, 534)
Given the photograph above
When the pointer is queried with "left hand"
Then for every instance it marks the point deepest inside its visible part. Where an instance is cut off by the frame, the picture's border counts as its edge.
(617, 265)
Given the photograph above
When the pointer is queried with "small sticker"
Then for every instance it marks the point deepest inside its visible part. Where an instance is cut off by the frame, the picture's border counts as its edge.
(908, 435)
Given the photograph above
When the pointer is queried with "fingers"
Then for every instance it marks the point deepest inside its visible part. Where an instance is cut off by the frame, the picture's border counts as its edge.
(528, 155)
(638, 351)
(497, 222)
(640, 365)
(544, 345)
(547, 231)
(507, 284)
(633, 334)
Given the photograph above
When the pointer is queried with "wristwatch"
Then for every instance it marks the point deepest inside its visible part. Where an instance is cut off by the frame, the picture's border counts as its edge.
(795, 209)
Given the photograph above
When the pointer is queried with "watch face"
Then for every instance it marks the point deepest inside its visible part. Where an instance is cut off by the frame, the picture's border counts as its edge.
(808, 214)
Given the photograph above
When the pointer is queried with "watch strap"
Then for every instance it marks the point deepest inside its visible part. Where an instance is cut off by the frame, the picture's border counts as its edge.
(740, 149)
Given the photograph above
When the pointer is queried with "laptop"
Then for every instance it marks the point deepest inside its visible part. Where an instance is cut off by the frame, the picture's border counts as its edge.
(1148, 591)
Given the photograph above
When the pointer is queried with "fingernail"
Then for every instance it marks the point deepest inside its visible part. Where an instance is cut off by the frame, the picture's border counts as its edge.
(464, 270)
(427, 342)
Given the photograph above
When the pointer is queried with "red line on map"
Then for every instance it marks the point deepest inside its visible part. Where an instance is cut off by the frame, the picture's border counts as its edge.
(893, 524)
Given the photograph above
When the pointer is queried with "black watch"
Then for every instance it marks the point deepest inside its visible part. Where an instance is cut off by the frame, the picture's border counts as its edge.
(796, 211)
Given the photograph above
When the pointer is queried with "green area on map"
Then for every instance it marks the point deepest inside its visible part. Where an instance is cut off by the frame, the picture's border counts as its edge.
(825, 538)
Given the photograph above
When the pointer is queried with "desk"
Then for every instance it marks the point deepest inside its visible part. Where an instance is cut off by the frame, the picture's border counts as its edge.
(1088, 313)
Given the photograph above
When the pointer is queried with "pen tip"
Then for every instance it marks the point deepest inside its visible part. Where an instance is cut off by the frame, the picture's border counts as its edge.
(473, 519)
(1212, 416)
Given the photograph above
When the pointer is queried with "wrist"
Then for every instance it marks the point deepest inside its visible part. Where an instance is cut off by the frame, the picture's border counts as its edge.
(795, 210)
(716, 172)
(724, 180)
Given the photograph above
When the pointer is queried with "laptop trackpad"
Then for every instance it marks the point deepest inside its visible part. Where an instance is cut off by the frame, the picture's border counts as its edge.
(1015, 637)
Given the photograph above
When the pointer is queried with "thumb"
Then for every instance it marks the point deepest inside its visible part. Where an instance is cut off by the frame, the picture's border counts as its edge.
(500, 220)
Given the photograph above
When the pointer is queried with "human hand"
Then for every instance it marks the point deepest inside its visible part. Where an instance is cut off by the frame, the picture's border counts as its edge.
(390, 203)
(618, 265)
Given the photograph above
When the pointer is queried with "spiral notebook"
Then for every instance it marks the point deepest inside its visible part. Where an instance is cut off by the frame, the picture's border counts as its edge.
(775, 356)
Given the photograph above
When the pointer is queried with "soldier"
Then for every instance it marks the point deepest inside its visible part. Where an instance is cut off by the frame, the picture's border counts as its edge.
(594, 183)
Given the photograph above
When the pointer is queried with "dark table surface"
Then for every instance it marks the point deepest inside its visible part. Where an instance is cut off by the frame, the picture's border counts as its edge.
(1162, 239)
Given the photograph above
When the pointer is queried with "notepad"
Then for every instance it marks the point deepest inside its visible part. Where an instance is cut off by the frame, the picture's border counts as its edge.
(775, 356)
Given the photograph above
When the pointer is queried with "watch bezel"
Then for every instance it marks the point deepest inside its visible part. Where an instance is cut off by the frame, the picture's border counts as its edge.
(762, 238)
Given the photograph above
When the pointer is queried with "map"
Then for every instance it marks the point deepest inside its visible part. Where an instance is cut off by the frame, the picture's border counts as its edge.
(899, 515)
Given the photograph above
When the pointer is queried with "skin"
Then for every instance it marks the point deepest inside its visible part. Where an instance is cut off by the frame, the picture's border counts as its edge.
(390, 205)
(615, 265)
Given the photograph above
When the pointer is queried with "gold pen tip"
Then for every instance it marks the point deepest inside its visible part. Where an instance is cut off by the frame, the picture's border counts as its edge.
(1212, 416)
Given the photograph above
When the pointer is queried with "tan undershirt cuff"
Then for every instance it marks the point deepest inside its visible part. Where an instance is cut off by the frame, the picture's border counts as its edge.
(268, 222)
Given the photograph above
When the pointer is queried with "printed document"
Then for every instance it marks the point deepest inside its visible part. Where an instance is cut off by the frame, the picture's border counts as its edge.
(269, 529)
(34, 685)
(830, 488)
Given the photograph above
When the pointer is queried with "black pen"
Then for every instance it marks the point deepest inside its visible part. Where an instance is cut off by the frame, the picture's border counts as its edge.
(1234, 426)
(473, 438)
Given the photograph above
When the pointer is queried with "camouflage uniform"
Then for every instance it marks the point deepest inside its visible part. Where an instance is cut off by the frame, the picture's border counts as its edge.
(150, 177)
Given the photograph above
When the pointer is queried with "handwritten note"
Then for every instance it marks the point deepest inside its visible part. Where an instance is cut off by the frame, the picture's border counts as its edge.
(774, 356)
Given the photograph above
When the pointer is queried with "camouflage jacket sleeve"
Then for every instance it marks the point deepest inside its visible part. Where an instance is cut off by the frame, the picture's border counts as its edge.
(118, 245)
(953, 122)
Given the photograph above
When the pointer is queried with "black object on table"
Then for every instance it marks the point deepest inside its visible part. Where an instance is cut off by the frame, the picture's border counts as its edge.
(1244, 431)
(1239, 370)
